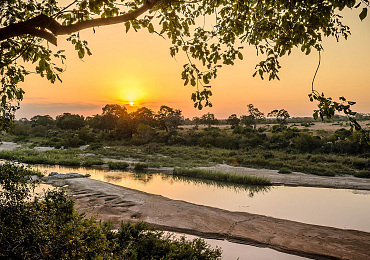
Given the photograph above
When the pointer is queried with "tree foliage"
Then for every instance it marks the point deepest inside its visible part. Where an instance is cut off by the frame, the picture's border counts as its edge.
(255, 115)
(281, 115)
(212, 33)
(70, 121)
(208, 119)
(169, 118)
(233, 120)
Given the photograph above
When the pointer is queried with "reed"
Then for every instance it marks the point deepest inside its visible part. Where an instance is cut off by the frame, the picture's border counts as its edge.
(221, 176)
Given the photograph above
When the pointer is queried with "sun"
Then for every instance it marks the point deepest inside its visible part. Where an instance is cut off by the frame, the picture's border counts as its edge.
(131, 103)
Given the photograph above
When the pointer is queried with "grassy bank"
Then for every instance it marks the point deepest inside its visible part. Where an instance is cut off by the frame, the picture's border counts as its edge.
(68, 157)
(195, 156)
(220, 176)
(156, 155)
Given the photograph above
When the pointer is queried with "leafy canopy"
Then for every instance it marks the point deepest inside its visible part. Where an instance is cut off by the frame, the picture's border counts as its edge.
(210, 32)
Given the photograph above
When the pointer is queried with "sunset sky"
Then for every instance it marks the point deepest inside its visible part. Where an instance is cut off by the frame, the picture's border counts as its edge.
(137, 67)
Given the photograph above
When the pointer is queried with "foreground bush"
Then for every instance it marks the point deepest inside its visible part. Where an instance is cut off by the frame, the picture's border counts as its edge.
(47, 227)
(221, 176)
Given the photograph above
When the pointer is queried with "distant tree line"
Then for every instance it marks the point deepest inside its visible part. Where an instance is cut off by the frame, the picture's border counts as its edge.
(144, 126)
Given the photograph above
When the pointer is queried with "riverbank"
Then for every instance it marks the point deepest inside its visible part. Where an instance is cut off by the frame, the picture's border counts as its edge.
(110, 202)
(276, 178)
(297, 178)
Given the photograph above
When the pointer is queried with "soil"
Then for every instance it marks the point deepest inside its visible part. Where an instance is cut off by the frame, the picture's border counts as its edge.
(114, 203)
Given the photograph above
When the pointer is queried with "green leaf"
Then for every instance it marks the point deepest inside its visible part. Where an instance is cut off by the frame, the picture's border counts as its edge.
(151, 28)
(192, 82)
(363, 14)
(127, 24)
(205, 79)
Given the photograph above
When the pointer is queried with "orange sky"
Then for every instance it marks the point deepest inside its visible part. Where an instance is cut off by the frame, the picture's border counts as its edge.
(137, 67)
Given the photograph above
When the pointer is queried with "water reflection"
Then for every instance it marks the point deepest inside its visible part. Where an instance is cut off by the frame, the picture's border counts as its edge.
(146, 178)
(243, 252)
(327, 207)
(238, 188)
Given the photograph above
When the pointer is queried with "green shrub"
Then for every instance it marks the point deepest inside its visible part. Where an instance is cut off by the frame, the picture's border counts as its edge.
(92, 161)
(140, 166)
(284, 170)
(118, 165)
(154, 165)
(362, 174)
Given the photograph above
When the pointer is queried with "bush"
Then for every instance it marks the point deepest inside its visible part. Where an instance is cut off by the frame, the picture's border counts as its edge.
(307, 142)
(140, 166)
(118, 165)
(284, 170)
(362, 174)
(92, 161)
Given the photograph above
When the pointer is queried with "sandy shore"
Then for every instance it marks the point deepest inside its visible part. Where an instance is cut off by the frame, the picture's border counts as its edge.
(114, 203)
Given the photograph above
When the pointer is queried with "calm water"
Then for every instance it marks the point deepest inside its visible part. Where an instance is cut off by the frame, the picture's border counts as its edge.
(349, 209)
(245, 252)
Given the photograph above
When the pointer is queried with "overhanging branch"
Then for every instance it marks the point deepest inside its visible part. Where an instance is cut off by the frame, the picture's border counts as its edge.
(37, 25)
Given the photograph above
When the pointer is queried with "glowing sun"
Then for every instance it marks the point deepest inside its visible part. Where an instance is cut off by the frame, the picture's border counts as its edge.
(131, 103)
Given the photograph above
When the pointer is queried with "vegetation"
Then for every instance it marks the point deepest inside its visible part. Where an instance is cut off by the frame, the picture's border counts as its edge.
(362, 174)
(272, 146)
(62, 157)
(250, 189)
(284, 170)
(220, 176)
(140, 166)
(46, 226)
(118, 165)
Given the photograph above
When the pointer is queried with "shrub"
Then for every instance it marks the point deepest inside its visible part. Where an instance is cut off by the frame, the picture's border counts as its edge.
(118, 165)
(362, 174)
(140, 166)
(284, 170)
(92, 161)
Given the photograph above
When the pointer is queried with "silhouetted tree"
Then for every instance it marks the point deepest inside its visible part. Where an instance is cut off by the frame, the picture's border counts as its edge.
(281, 115)
(208, 119)
(45, 120)
(144, 116)
(70, 121)
(196, 121)
(255, 115)
(233, 120)
(169, 118)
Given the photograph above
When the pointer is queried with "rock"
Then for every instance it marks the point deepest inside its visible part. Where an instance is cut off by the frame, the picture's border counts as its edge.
(34, 178)
(69, 175)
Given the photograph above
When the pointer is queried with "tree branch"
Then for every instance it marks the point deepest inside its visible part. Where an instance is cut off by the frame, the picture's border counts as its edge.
(44, 22)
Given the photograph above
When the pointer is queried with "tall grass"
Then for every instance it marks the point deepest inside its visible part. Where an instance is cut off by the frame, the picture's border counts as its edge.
(251, 190)
(221, 176)
(54, 157)
(118, 165)
(140, 166)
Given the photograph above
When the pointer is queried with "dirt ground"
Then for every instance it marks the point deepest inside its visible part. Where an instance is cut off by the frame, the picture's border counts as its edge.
(114, 203)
